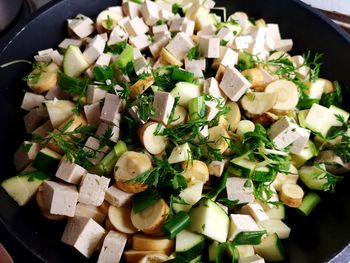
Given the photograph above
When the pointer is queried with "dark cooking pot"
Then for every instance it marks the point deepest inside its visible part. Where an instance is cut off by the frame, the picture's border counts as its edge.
(9, 9)
(315, 239)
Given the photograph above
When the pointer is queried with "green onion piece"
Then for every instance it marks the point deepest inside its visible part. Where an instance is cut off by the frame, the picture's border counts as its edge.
(176, 224)
(218, 185)
(145, 199)
(103, 73)
(108, 162)
(249, 238)
(310, 201)
(219, 254)
(196, 108)
(182, 75)
(125, 57)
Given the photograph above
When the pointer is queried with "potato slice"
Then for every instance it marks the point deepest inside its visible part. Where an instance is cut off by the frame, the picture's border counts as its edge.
(281, 178)
(165, 56)
(195, 170)
(148, 243)
(107, 20)
(255, 76)
(179, 117)
(233, 116)
(141, 85)
(134, 256)
(154, 144)
(43, 210)
(119, 218)
(258, 102)
(287, 94)
(217, 138)
(154, 258)
(151, 219)
(291, 194)
(43, 78)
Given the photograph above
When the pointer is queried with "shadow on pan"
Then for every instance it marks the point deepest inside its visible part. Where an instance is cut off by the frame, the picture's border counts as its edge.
(316, 239)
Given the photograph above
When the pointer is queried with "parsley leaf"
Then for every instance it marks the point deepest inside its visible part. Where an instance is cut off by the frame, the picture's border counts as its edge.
(72, 85)
(334, 98)
(193, 53)
(117, 48)
(103, 73)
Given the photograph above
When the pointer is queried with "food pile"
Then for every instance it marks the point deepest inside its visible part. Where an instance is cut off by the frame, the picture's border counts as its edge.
(165, 131)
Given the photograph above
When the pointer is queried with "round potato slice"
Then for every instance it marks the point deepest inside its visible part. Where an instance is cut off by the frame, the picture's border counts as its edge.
(195, 170)
(147, 243)
(154, 144)
(119, 217)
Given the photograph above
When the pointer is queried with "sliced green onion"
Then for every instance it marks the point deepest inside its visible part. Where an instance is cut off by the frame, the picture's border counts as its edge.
(182, 75)
(249, 237)
(196, 108)
(125, 57)
(310, 201)
(176, 224)
(145, 199)
(219, 256)
(108, 162)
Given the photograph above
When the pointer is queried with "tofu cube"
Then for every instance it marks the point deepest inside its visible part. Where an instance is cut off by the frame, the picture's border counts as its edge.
(34, 118)
(252, 259)
(25, 154)
(141, 65)
(163, 104)
(165, 14)
(256, 211)
(117, 197)
(211, 87)
(134, 113)
(216, 168)
(58, 93)
(182, 24)
(240, 189)
(141, 42)
(157, 46)
(197, 72)
(44, 55)
(208, 30)
(117, 35)
(180, 45)
(131, 9)
(95, 94)
(241, 223)
(93, 113)
(94, 50)
(272, 36)
(31, 100)
(92, 146)
(180, 153)
(102, 129)
(225, 34)
(90, 211)
(103, 60)
(112, 248)
(227, 58)
(299, 144)
(150, 12)
(81, 25)
(159, 30)
(209, 46)
(284, 132)
(284, 45)
(43, 129)
(112, 106)
(59, 198)
(56, 57)
(234, 84)
(211, 110)
(92, 189)
(242, 42)
(70, 172)
(84, 234)
(136, 26)
(198, 63)
(70, 41)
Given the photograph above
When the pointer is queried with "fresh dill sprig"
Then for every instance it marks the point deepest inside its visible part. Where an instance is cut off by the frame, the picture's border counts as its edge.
(38, 69)
(314, 63)
(332, 179)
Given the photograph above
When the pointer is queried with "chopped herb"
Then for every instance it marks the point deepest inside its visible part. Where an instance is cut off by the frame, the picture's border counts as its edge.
(38, 69)
(332, 179)
(117, 48)
(177, 9)
(35, 175)
(26, 147)
(103, 73)
(105, 138)
(333, 98)
(72, 85)
(252, 20)
(143, 200)
(193, 53)
(109, 22)
(230, 204)
(313, 62)
(145, 106)
(223, 42)
(160, 22)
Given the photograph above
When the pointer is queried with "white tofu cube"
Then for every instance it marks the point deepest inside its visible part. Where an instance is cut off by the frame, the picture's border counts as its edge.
(197, 72)
(70, 41)
(90, 211)
(70, 172)
(111, 108)
(211, 87)
(284, 45)
(84, 234)
(56, 57)
(103, 60)
(209, 46)
(44, 56)
(58, 93)
(150, 12)
(34, 118)
(117, 197)
(59, 198)
(240, 189)
(134, 113)
(95, 94)
(234, 84)
(272, 36)
(117, 35)
(160, 29)
(241, 223)
(245, 251)
(103, 127)
(157, 46)
(163, 104)
(141, 42)
(141, 65)
(180, 153)
(116, 9)
(92, 189)
(284, 132)
(225, 34)
(136, 26)
(180, 45)
(81, 25)
(227, 58)
(216, 168)
(198, 63)
(94, 50)
(92, 145)
(43, 129)
(165, 14)
(211, 110)
(299, 144)
(256, 211)
(131, 9)
(112, 248)
(93, 113)
(25, 154)
(208, 30)
(242, 42)
(252, 259)
(31, 100)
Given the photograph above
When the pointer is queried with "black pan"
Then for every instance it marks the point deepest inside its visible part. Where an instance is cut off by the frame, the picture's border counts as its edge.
(318, 238)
